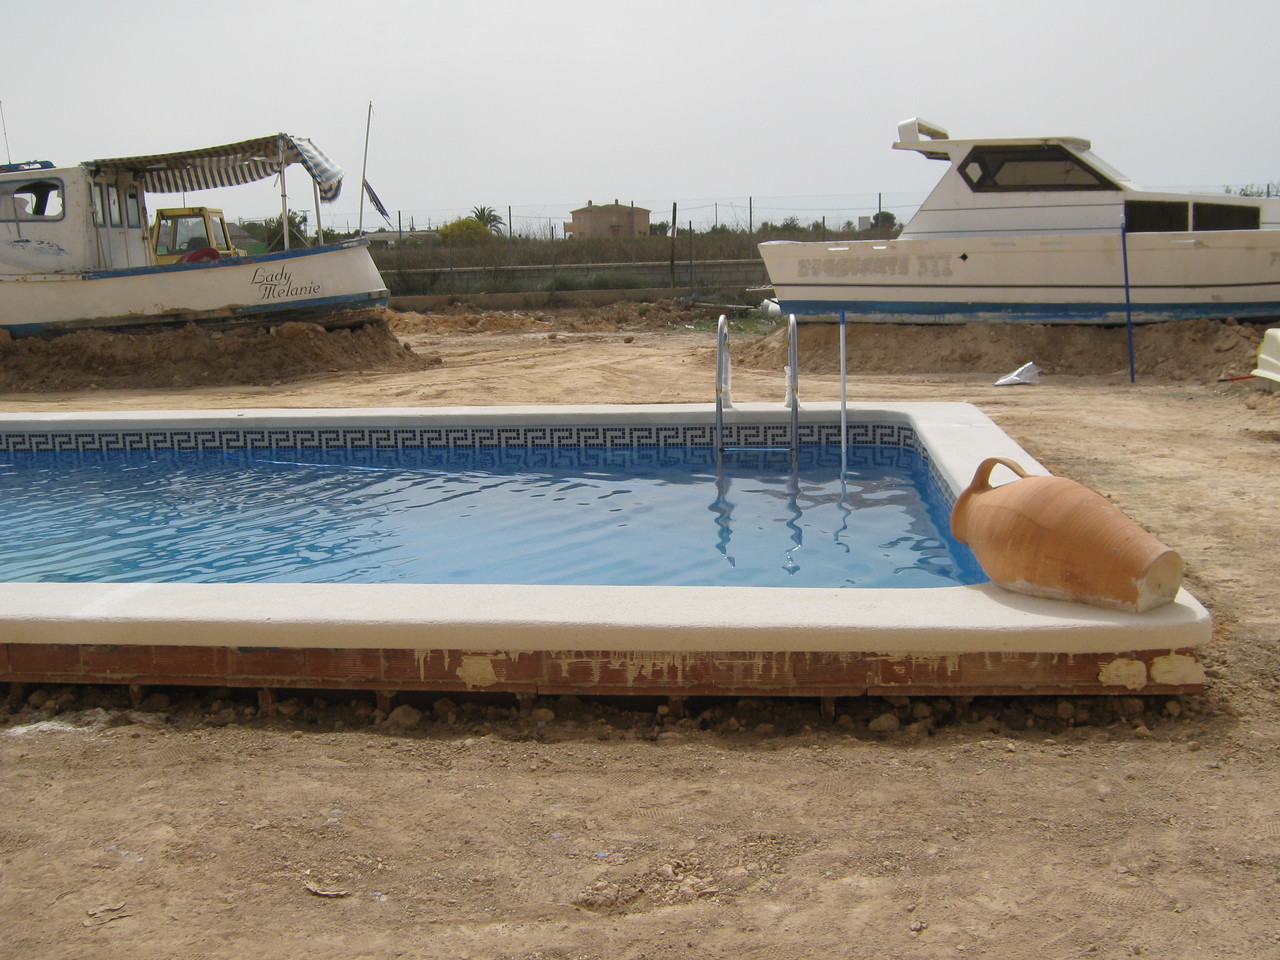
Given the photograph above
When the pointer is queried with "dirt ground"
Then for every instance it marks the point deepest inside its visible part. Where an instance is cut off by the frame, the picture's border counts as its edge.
(1091, 827)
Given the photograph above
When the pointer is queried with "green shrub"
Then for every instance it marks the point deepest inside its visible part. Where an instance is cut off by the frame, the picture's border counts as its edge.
(465, 231)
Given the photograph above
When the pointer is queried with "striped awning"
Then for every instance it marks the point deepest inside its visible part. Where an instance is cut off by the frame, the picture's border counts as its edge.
(228, 166)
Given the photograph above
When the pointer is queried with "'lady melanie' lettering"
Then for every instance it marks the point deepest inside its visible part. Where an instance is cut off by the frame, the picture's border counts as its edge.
(279, 285)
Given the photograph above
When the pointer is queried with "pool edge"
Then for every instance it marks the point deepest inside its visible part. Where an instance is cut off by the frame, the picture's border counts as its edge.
(495, 621)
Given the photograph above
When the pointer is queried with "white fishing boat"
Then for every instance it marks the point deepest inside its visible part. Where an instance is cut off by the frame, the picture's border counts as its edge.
(76, 251)
(1042, 230)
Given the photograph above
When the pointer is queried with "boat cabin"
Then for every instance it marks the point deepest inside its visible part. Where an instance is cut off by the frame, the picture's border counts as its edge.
(1055, 185)
(188, 231)
(93, 217)
(59, 220)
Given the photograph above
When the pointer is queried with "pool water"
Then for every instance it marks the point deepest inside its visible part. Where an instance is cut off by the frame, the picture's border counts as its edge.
(535, 515)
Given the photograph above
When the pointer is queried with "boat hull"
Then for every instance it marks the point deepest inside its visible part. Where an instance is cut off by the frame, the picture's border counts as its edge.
(1033, 279)
(332, 285)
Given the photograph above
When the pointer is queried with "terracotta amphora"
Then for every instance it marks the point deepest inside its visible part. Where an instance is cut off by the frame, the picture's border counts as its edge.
(1052, 537)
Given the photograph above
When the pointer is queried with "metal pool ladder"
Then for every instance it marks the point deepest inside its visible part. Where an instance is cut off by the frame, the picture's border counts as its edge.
(724, 390)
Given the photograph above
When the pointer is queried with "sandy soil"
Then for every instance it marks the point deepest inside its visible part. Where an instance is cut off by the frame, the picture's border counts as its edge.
(1002, 828)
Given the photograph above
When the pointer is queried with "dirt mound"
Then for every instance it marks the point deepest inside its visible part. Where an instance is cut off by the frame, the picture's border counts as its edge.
(462, 318)
(195, 356)
(455, 321)
(660, 315)
(1196, 350)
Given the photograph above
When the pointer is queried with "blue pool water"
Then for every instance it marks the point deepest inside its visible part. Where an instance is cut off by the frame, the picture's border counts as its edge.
(537, 515)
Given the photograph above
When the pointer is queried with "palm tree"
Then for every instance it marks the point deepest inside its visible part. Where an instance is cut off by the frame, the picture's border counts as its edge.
(489, 217)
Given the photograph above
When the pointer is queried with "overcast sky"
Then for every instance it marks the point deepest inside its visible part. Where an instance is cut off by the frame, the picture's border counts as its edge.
(542, 106)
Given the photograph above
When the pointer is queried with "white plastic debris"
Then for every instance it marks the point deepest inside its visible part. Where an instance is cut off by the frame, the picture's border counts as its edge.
(85, 721)
(1027, 373)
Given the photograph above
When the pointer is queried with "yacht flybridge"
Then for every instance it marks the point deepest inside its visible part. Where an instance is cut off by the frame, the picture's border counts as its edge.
(1042, 230)
(76, 252)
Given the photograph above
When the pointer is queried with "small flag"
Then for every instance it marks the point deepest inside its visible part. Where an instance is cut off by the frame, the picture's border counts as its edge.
(377, 204)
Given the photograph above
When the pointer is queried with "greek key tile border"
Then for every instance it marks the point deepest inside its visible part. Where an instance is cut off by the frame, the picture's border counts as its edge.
(653, 437)
(394, 438)
(509, 437)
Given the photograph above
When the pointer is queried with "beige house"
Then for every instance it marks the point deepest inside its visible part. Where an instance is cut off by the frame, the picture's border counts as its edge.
(608, 220)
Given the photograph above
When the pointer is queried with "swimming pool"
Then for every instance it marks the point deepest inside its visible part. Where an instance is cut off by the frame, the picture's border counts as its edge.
(540, 638)
(592, 515)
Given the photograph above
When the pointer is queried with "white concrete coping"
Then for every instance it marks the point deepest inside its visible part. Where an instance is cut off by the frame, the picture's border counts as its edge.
(925, 621)
(931, 621)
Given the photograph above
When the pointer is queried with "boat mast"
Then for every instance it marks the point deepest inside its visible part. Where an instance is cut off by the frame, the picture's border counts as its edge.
(364, 168)
(7, 155)
(315, 189)
(284, 197)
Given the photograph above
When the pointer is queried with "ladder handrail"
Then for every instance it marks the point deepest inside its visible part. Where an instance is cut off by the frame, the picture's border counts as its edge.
(793, 386)
(844, 400)
(724, 390)
(724, 376)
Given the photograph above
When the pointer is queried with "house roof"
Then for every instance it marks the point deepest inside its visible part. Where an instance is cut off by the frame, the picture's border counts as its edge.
(590, 207)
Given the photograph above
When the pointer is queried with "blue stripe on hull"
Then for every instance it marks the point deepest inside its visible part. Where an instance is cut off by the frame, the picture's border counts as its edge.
(357, 301)
(223, 263)
(963, 312)
(285, 309)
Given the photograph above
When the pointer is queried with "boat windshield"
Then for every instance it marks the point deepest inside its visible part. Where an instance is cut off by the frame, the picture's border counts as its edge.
(1023, 169)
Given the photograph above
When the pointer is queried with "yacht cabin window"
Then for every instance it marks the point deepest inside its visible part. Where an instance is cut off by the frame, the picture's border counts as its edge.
(113, 206)
(1025, 169)
(133, 209)
(1225, 216)
(1155, 216)
(1175, 216)
(35, 200)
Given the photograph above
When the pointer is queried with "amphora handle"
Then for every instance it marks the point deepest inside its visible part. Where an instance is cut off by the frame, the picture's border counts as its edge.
(982, 476)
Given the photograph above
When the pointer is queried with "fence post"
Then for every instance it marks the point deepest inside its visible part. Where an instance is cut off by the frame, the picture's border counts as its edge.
(673, 246)
(692, 282)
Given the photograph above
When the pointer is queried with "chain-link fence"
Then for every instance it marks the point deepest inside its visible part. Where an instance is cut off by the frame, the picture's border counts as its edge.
(833, 213)
(819, 216)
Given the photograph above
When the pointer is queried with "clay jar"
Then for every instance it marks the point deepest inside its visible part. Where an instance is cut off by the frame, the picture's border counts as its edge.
(1051, 537)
